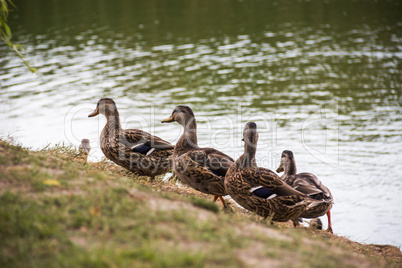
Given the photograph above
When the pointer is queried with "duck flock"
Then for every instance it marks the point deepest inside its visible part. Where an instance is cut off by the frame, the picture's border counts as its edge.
(289, 197)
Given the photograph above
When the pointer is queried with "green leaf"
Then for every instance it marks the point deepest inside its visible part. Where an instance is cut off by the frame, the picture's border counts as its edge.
(5, 32)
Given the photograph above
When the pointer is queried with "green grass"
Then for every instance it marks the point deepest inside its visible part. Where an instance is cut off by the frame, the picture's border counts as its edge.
(202, 203)
(102, 216)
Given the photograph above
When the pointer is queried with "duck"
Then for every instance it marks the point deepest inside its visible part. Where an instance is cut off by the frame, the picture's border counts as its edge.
(203, 169)
(261, 190)
(308, 184)
(315, 224)
(85, 148)
(136, 150)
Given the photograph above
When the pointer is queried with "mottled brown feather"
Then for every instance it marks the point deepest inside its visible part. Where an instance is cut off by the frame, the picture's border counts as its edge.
(244, 175)
(203, 169)
(308, 184)
(117, 143)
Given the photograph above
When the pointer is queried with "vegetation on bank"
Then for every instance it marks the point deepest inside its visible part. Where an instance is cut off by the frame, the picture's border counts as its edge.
(5, 32)
(57, 211)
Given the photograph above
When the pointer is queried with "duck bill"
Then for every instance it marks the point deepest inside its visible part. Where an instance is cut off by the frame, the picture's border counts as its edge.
(168, 120)
(94, 113)
(280, 168)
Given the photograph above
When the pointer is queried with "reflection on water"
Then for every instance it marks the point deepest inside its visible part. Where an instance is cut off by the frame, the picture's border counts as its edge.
(321, 79)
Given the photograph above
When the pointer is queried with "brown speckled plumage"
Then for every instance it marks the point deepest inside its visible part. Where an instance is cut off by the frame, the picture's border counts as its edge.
(244, 175)
(203, 169)
(308, 184)
(118, 144)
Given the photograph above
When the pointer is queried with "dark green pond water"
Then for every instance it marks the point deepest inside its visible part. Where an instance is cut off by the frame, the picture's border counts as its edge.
(320, 78)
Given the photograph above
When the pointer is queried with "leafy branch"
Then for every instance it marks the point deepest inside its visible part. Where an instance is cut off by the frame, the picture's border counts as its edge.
(5, 32)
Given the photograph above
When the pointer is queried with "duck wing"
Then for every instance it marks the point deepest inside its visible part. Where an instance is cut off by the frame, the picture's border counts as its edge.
(215, 161)
(142, 142)
(264, 178)
(309, 184)
(194, 171)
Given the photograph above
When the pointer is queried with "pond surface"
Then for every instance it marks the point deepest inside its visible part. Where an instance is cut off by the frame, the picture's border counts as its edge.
(320, 78)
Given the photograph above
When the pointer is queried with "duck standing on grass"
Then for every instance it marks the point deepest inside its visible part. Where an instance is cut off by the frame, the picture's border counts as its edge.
(133, 149)
(308, 184)
(260, 190)
(203, 169)
(85, 148)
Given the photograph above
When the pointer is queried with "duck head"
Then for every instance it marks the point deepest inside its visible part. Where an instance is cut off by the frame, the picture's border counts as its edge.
(250, 138)
(85, 147)
(287, 159)
(181, 114)
(106, 107)
(250, 135)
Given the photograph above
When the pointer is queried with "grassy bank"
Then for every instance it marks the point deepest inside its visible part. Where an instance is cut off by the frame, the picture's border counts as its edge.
(56, 211)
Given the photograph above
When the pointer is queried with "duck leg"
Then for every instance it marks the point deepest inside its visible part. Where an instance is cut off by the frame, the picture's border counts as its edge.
(295, 223)
(223, 201)
(329, 222)
(220, 198)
